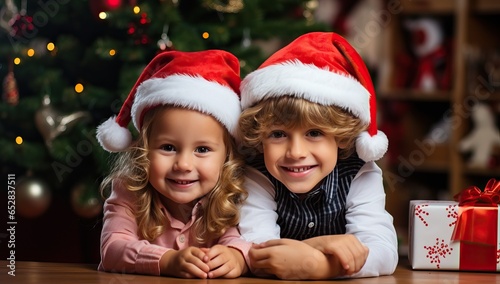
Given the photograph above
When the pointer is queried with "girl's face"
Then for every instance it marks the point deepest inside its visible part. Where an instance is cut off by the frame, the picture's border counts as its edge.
(300, 157)
(186, 153)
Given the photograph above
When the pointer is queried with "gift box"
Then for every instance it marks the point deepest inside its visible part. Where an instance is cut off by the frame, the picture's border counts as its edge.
(457, 235)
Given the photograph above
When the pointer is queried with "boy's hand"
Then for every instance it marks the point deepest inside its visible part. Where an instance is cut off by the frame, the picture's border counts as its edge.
(349, 251)
(224, 262)
(185, 263)
(290, 259)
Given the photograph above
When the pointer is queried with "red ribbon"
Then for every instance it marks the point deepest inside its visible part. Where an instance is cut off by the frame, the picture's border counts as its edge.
(474, 196)
(476, 227)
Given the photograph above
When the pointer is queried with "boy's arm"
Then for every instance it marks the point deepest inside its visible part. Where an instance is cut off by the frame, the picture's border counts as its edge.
(367, 219)
(293, 260)
(258, 217)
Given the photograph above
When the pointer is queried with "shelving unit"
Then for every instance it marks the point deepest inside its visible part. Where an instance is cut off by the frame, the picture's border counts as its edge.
(441, 168)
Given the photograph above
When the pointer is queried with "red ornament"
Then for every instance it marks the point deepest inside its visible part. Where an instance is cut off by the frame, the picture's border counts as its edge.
(98, 6)
(21, 25)
(10, 90)
(137, 30)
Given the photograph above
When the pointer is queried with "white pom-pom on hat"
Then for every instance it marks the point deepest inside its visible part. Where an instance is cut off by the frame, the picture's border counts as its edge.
(113, 137)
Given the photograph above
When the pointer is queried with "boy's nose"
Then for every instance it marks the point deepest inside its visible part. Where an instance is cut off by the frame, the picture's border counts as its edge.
(296, 149)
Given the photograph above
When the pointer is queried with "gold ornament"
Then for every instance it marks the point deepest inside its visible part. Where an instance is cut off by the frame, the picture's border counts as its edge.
(51, 123)
(33, 197)
(228, 6)
(85, 202)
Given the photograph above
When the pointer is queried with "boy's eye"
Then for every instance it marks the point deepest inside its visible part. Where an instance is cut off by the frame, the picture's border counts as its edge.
(315, 133)
(167, 147)
(277, 134)
(202, 149)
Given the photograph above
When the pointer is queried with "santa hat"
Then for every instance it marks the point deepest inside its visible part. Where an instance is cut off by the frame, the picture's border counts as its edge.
(322, 68)
(206, 81)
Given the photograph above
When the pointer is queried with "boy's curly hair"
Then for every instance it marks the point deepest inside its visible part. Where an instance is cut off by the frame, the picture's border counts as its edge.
(220, 212)
(290, 112)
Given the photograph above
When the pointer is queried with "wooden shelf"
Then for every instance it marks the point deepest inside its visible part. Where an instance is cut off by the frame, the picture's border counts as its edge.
(428, 6)
(415, 95)
(414, 169)
(494, 172)
(485, 6)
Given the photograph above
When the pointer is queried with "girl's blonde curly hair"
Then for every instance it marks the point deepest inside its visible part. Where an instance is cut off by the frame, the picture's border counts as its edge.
(220, 212)
(290, 112)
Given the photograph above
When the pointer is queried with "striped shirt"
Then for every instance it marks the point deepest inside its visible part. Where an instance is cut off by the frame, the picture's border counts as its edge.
(322, 210)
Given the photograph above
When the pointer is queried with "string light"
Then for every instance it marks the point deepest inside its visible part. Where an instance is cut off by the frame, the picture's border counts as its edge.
(19, 140)
(50, 46)
(112, 52)
(205, 35)
(103, 15)
(78, 88)
(17, 60)
(30, 52)
(137, 10)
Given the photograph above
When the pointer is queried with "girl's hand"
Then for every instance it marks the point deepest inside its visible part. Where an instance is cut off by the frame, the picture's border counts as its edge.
(349, 251)
(224, 262)
(185, 263)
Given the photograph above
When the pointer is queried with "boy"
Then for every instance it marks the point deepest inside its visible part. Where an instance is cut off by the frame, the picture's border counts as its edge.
(309, 111)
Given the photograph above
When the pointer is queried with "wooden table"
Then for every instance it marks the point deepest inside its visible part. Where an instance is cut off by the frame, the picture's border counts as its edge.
(55, 273)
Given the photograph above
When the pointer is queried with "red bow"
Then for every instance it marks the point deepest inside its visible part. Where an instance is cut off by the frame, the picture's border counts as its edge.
(476, 227)
(473, 195)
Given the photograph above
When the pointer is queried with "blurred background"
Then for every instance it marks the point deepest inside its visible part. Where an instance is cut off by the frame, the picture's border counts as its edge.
(66, 66)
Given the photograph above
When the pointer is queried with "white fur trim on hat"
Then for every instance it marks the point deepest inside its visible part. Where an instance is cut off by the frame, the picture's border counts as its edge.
(112, 136)
(371, 148)
(192, 92)
(309, 82)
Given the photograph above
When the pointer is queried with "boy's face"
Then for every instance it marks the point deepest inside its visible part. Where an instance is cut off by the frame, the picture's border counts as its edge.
(300, 157)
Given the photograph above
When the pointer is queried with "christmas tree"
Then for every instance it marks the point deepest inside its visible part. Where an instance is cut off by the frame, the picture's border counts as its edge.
(68, 65)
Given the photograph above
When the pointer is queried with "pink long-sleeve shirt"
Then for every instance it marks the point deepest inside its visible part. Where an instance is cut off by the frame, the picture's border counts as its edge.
(122, 250)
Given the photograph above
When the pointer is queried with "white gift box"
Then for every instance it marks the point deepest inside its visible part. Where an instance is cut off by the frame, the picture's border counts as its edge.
(431, 236)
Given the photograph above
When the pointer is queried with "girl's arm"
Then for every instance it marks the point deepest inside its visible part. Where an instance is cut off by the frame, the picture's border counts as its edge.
(121, 249)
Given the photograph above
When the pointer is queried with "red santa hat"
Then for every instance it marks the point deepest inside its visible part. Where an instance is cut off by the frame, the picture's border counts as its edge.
(321, 67)
(206, 81)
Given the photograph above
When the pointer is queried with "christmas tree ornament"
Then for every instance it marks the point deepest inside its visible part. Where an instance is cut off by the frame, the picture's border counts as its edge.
(138, 30)
(33, 196)
(85, 200)
(229, 6)
(51, 123)
(164, 43)
(21, 25)
(98, 6)
(10, 90)
(8, 13)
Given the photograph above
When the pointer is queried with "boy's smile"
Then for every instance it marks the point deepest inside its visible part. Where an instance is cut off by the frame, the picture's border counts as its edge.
(300, 157)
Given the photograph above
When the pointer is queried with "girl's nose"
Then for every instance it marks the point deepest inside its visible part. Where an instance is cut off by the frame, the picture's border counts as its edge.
(183, 162)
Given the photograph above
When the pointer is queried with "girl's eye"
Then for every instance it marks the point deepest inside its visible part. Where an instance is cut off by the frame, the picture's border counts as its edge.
(167, 147)
(202, 149)
(277, 134)
(315, 133)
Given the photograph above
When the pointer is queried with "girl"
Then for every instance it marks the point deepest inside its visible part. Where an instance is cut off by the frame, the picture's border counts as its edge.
(175, 192)
(310, 112)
